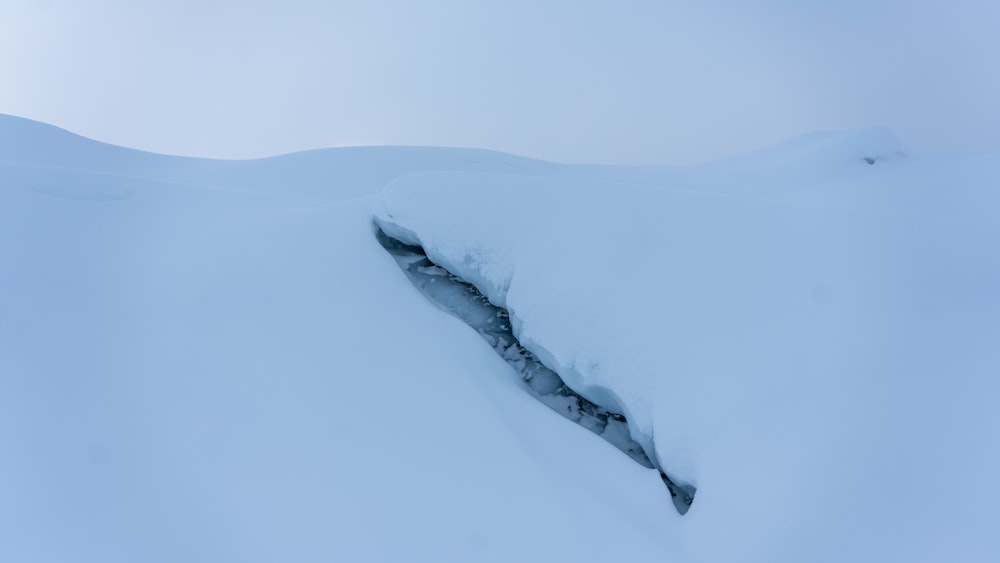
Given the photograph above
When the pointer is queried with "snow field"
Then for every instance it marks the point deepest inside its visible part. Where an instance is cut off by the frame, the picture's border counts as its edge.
(804, 336)
(211, 360)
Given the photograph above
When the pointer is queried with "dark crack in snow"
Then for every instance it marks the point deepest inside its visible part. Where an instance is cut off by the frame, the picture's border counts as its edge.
(465, 301)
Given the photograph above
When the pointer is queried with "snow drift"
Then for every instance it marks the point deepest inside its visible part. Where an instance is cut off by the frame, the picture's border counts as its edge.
(215, 360)
(808, 335)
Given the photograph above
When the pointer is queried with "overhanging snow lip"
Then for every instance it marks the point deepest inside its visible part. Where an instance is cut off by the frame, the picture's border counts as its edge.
(382, 222)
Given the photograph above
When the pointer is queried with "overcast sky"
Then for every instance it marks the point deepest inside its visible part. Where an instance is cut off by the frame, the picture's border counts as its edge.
(632, 82)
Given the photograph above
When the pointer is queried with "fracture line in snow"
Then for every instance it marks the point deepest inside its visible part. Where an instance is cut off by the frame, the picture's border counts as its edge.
(465, 301)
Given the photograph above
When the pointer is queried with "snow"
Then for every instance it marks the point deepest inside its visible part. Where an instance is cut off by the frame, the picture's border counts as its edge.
(196, 369)
(806, 337)
(216, 360)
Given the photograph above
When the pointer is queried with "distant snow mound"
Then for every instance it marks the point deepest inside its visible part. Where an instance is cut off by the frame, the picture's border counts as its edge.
(868, 145)
(819, 153)
(322, 174)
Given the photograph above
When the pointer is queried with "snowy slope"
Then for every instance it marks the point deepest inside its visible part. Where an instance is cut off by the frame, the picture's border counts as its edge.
(200, 364)
(808, 335)
(217, 361)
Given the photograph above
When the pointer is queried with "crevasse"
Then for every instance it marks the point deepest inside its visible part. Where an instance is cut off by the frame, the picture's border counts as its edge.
(464, 300)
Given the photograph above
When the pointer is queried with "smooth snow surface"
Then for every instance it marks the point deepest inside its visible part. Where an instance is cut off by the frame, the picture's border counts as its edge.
(216, 361)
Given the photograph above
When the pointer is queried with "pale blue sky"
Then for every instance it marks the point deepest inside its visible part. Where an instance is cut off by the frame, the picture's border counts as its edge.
(667, 82)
